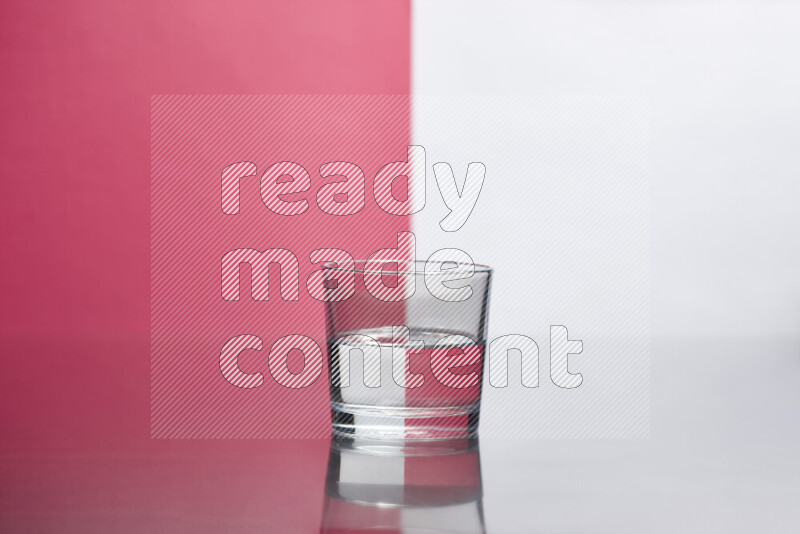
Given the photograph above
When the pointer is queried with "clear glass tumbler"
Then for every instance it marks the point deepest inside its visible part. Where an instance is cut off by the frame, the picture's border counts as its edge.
(406, 346)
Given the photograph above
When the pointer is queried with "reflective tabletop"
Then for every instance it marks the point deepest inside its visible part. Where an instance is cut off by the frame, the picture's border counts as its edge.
(722, 457)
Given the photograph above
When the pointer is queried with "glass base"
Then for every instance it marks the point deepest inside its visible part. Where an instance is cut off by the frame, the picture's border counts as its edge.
(368, 422)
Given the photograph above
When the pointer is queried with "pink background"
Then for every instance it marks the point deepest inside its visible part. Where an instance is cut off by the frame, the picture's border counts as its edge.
(77, 82)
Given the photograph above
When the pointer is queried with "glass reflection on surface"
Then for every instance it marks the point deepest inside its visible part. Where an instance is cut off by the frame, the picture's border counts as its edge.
(403, 487)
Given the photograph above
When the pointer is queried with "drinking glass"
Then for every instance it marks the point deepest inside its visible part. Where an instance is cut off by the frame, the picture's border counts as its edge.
(406, 347)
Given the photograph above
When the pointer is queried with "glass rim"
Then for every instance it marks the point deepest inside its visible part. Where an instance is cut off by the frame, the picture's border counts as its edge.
(460, 267)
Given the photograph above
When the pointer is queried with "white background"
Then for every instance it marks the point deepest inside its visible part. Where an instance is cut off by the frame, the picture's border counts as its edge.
(723, 80)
